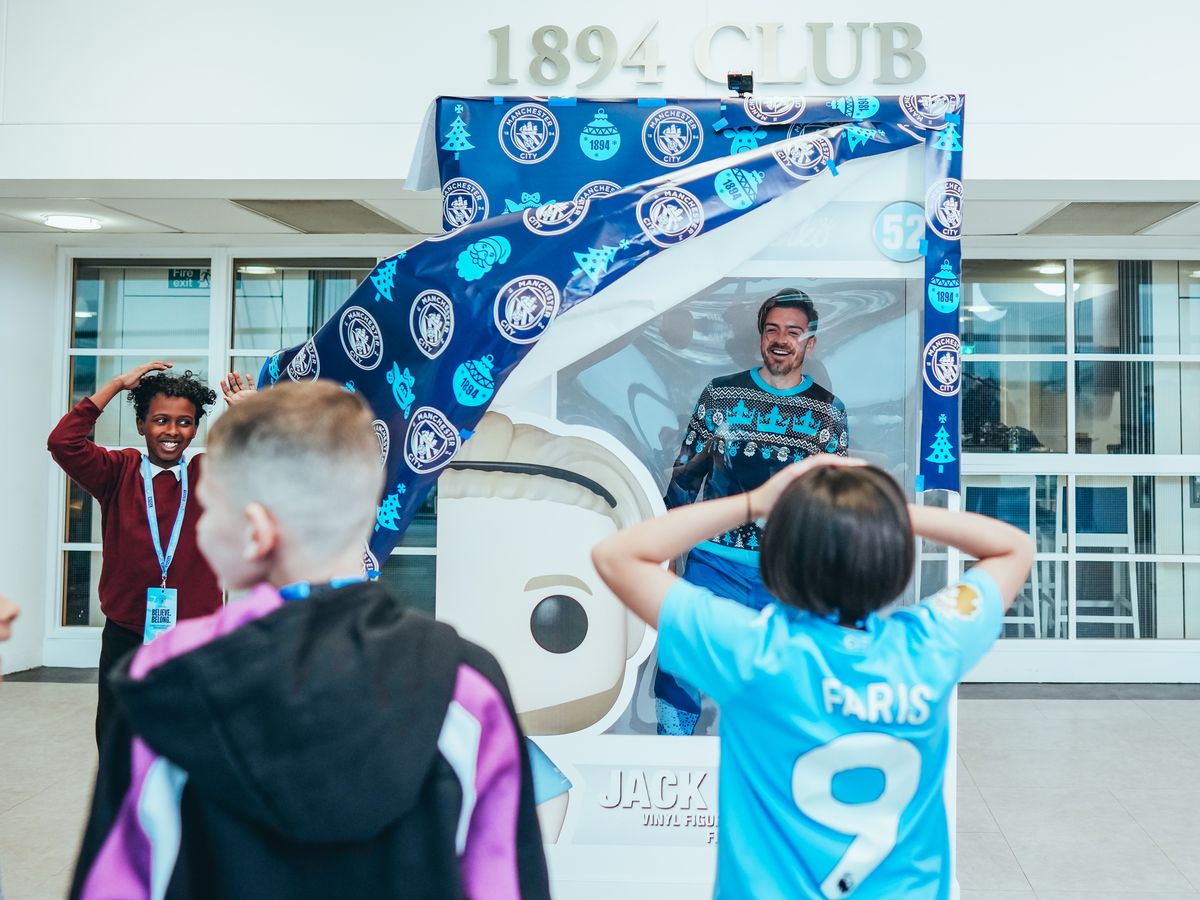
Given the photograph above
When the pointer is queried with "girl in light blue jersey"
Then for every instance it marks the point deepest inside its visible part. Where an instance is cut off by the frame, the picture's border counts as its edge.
(834, 716)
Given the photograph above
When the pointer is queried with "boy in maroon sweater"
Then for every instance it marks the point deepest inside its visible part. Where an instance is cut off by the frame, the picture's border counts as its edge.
(168, 410)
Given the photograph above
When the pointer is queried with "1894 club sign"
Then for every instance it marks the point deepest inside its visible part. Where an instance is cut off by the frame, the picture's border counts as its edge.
(778, 53)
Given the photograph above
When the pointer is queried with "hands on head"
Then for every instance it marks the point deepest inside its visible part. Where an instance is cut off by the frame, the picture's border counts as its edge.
(764, 497)
(630, 561)
(131, 379)
(237, 387)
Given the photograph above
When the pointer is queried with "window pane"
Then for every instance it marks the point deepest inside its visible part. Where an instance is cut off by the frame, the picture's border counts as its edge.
(1013, 306)
(413, 579)
(1014, 407)
(153, 305)
(281, 303)
(1189, 307)
(246, 365)
(1120, 599)
(1108, 602)
(1136, 514)
(81, 576)
(83, 516)
(1027, 502)
(1040, 610)
(1136, 407)
(1135, 306)
(117, 426)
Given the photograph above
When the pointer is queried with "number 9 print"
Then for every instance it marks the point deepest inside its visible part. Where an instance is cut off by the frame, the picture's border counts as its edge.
(874, 824)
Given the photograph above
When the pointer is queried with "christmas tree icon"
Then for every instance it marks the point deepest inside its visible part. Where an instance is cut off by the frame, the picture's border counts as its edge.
(943, 452)
(753, 542)
(384, 277)
(859, 135)
(389, 511)
(595, 262)
(948, 138)
(457, 136)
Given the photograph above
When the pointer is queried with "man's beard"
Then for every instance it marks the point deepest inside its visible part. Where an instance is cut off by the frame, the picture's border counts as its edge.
(782, 365)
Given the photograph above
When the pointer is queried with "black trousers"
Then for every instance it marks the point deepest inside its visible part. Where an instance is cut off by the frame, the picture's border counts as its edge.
(115, 642)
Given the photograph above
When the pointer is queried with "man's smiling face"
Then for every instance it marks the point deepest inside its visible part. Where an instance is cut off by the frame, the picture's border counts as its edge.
(785, 341)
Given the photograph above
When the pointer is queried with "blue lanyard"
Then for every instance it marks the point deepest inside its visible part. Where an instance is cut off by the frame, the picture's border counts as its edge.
(301, 590)
(164, 562)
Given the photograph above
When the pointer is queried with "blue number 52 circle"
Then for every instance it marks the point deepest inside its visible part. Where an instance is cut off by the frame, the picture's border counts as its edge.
(899, 228)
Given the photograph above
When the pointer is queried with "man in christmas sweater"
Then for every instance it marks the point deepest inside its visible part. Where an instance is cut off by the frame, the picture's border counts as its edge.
(745, 428)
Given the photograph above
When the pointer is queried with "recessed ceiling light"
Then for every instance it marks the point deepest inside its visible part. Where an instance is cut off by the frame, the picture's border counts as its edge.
(72, 223)
(85, 314)
(256, 270)
(1052, 269)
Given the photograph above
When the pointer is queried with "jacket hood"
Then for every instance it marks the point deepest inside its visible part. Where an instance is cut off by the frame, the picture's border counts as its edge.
(319, 720)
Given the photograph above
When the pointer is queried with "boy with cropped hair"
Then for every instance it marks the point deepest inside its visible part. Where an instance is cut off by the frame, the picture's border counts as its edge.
(834, 718)
(142, 569)
(317, 738)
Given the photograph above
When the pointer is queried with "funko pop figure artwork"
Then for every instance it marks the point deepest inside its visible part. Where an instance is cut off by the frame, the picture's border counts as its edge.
(538, 501)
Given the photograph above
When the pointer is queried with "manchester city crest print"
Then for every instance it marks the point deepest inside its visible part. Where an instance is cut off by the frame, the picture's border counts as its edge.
(804, 157)
(525, 307)
(672, 136)
(384, 437)
(774, 110)
(943, 208)
(430, 441)
(670, 215)
(370, 563)
(431, 322)
(306, 364)
(600, 188)
(554, 218)
(528, 133)
(930, 110)
(463, 202)
(943, 364)
(361, 338)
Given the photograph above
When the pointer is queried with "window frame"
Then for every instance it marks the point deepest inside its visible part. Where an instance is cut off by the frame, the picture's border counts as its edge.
(1085, 659)
(77, 645)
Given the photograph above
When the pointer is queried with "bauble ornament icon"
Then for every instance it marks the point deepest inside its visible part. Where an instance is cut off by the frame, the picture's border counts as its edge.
(473, 382)
(600, 139)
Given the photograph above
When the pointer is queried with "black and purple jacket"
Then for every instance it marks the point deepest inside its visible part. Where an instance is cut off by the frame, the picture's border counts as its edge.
(338, 746)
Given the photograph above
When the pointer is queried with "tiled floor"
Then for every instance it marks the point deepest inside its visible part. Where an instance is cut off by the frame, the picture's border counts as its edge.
(1066, 798)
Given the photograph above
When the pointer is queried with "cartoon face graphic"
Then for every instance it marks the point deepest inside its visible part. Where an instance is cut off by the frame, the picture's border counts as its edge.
(519, 510)
(517, 579)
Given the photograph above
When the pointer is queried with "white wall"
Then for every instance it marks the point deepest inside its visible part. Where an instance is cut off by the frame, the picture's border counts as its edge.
(279, 89)
(28, 311)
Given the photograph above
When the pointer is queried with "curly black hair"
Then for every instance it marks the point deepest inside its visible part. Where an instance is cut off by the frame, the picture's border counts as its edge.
(186, 385)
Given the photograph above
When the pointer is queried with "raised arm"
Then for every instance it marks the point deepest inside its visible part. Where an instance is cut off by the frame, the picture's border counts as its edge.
(237, 388)
(630, 562)
(69, 443)
(126, 381)
(1004, 552)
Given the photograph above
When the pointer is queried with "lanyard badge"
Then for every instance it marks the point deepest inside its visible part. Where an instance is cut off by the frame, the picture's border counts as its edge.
(162, 603)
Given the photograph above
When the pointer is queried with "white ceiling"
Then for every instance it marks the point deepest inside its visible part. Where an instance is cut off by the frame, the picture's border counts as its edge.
(136, 208)
(132, 207)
